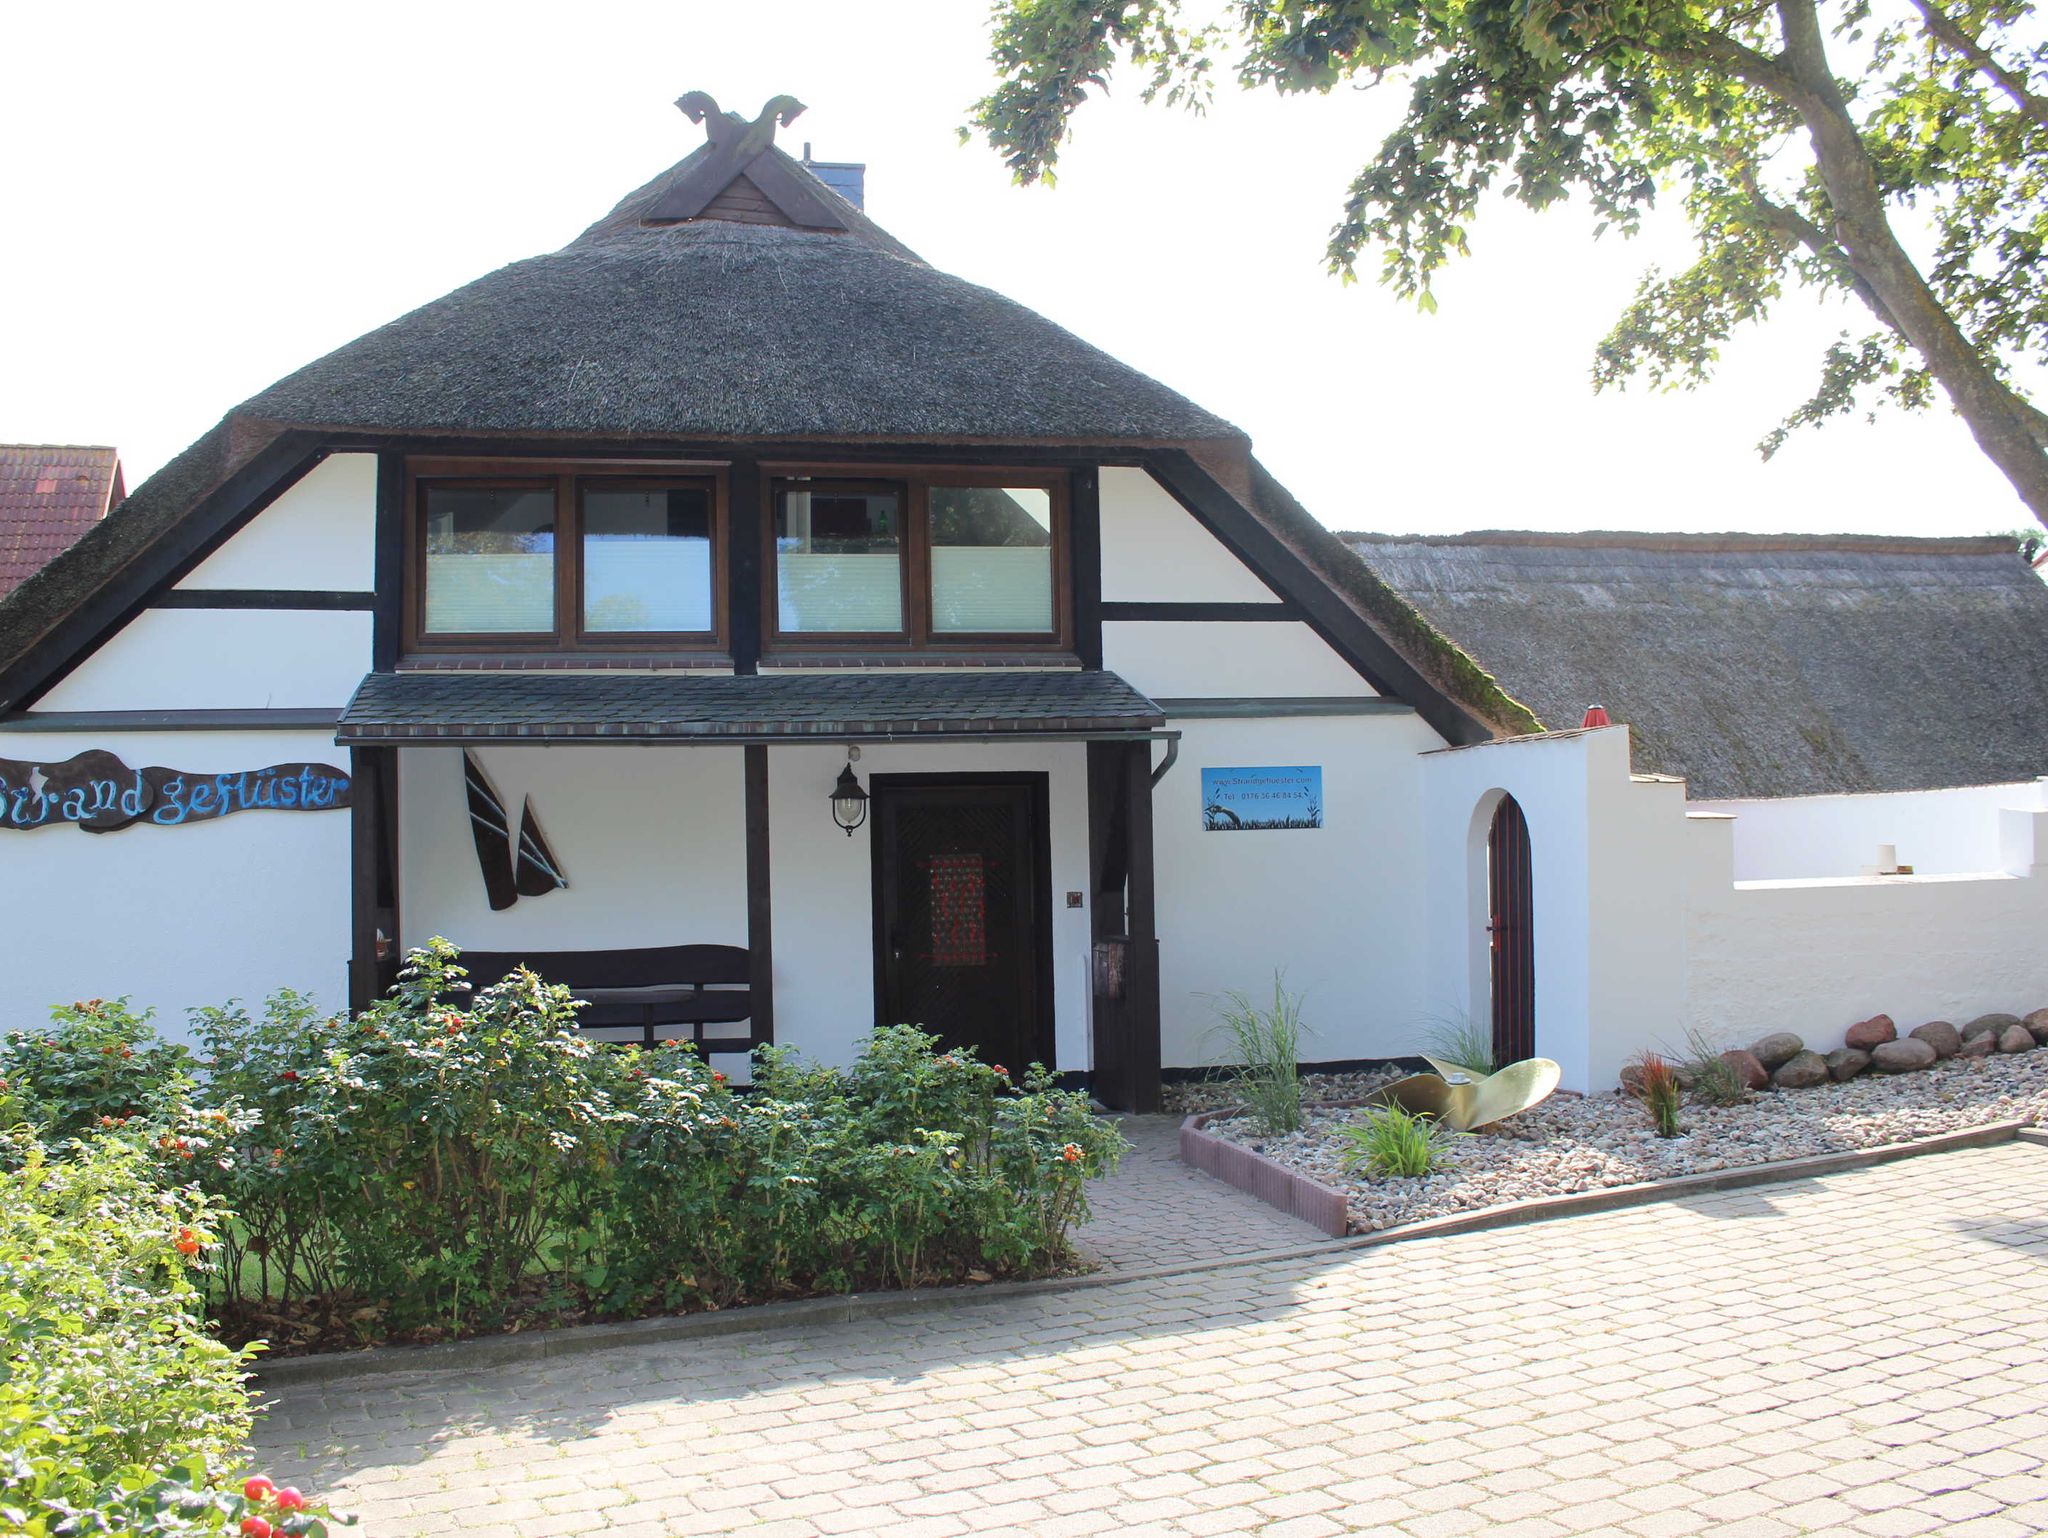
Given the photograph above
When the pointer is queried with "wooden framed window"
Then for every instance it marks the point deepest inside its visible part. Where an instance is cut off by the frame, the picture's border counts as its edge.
(551, 557)
(925, 558)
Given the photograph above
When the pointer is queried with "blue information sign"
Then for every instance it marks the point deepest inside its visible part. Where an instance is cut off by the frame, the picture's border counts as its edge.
(1272, 796)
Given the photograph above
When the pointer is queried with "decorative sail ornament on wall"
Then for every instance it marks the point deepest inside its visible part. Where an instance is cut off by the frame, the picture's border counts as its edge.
(513, 867)
(491, 829)
(534, 870)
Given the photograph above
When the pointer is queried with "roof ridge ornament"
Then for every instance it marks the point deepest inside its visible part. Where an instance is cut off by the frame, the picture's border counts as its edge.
(734, 149)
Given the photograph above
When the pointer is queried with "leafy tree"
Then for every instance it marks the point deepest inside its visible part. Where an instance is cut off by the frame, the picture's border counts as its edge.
(1813, 145)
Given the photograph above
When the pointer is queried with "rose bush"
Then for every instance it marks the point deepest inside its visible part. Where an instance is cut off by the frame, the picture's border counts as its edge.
(120, 1414)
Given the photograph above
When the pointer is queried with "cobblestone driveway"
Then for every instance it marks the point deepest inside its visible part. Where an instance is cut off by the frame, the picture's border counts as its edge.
(1865, 1354)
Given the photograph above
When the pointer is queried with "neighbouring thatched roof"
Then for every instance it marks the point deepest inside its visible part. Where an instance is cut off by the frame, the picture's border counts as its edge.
(1756, 665)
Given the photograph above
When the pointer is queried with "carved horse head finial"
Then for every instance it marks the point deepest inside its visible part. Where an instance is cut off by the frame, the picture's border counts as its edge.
(721, 127)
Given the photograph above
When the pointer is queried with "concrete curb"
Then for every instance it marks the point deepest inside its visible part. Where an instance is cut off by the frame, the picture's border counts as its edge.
(803, 1313)
(1255, 1174)
(2033, 1135)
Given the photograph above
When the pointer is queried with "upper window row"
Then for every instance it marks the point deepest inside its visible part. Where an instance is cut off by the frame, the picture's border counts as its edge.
(593, 560)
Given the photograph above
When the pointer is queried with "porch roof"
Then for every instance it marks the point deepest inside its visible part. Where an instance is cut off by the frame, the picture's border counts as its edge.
(397, 708)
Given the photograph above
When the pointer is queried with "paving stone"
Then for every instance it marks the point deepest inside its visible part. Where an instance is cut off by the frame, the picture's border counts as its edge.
(1602, 1376)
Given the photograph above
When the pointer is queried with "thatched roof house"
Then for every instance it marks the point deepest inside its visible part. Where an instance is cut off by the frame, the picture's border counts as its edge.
(1756, 665)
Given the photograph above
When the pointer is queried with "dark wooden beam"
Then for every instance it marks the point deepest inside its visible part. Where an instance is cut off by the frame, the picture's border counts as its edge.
(1141, 987)
(271, 718)
(288, 598)
(1229, 613)
(760, 904)
(388, 572)
(1325, 610)
(212, 521)
(747, 539)
(367, 851)
(1084, 545)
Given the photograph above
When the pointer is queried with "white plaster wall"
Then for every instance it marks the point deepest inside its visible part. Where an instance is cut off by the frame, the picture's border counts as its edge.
(1155, 551)
(1643, 932)
(1335, 909)
(1181, 659)
(652, 840)
(823, 893)
(1938, 832)
(181, 917)
(1816, 956)
(319, 534)
(1461, 787)
(243, 659)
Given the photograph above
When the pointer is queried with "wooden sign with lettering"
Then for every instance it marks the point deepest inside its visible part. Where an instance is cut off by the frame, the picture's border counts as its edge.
(99, 793)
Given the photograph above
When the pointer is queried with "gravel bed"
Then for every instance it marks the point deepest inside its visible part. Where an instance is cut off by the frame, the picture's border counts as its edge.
(1574, 1143)
(1196, 1095)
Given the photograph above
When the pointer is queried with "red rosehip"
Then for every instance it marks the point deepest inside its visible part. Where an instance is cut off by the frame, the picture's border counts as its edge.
(289, 1499)
(256, 1527)
(258, 1489)
(290, 1076)
(188, 1244)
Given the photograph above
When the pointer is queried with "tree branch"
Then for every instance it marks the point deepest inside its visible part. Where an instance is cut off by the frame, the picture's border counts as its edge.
(1797, 227)
(1714, 51)
(1946, 30)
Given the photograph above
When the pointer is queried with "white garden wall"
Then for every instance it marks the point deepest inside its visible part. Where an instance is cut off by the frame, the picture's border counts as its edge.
(1937, 832)
(1643, 931)
(177, 917)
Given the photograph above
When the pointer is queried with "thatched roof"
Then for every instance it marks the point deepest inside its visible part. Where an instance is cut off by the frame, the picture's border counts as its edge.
(716, 329)
(1756, 665)
(775, 313)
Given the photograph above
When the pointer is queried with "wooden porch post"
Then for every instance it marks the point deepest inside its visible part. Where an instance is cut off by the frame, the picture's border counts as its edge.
(1122, 923)
(373, 871)
(760, 910)
(1141, 923)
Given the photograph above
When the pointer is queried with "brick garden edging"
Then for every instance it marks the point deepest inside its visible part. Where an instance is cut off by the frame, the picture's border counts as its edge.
(497, 1350)
(1329, 1210)
(1296, 1194)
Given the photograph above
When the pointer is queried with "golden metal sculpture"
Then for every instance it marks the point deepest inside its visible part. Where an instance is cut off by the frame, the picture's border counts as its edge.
(1458, 1099)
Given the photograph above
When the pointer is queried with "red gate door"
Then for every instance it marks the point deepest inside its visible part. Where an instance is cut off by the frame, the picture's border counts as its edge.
(1509, 923)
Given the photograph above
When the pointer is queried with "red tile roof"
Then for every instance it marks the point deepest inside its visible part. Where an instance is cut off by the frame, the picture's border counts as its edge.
(50, 493)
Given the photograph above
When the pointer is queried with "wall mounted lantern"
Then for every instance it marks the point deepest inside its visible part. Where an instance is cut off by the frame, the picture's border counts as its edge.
(849, 801)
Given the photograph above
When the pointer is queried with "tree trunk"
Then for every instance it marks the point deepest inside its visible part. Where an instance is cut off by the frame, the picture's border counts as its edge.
(2000, 421)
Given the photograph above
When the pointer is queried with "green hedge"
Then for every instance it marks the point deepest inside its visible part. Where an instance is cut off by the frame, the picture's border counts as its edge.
(452, 1161)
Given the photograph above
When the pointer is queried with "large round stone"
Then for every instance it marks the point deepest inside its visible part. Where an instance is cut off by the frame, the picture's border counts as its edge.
(1981, 1045)
(1803, 1070)
(1751, 1073)
(2037, 1022)
(1865, 1034)
(1992, 1025)
(1777, 1049)
(1847, 1062)
(1902, 1056)
(2016, 1038)
(1940, 1035)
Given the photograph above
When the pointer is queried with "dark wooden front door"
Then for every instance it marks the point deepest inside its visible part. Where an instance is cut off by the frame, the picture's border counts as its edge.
(961, 907)
(1510, 910)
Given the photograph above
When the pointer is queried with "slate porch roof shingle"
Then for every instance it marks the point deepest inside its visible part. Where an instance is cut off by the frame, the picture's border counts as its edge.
(580, 707)
(50, 494)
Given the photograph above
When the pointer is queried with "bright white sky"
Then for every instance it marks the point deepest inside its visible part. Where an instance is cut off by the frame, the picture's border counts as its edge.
(200, 198)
